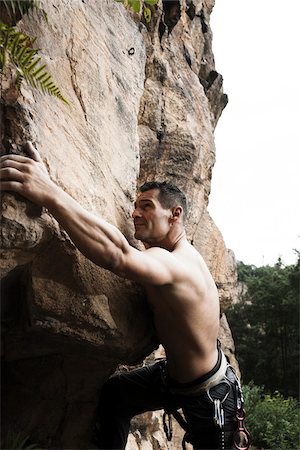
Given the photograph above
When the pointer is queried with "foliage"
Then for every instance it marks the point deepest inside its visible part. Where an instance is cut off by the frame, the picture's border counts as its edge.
(272, 420)
(18, 441)
(17, 48)
(140, 5)
(17, 8)
(265, 324)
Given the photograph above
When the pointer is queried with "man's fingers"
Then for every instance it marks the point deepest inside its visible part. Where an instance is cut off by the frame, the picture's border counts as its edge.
(32, 152)
(12, 157)
(29, 150)
(10, 186)
(11, 174)
(16, 163)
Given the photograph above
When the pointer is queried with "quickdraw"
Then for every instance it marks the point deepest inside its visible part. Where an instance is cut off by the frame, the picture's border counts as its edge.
(241, 436)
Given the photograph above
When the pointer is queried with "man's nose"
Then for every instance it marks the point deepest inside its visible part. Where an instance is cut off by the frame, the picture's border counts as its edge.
(136, 213)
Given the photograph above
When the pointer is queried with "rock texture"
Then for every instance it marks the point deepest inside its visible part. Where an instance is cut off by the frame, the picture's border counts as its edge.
(144, 104)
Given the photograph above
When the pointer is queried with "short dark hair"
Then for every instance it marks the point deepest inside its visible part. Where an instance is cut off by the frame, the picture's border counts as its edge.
(169, 195)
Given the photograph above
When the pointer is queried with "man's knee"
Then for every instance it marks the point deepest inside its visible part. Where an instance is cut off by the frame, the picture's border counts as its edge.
(114, 397)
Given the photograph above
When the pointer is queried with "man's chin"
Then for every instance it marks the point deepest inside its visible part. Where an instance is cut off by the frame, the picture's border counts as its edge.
(138, 235)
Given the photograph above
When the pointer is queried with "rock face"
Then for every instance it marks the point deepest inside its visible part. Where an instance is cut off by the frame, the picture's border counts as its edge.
(144, 104)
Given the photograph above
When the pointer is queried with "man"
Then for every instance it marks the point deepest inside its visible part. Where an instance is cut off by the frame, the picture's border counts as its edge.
(180, 291)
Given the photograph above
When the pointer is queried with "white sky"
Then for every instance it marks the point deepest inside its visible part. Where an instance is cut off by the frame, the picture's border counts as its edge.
(256, 180)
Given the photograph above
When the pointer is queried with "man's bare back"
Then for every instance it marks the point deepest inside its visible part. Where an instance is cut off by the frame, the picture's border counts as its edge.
(186, 316)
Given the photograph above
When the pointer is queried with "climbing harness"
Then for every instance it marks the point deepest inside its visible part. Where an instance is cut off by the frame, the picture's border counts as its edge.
(241, 437)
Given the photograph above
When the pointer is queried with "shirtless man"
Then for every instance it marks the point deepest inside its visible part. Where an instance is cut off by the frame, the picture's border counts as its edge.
(181, 293)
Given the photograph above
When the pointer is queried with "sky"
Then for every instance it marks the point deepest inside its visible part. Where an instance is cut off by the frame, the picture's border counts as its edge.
(255, 196)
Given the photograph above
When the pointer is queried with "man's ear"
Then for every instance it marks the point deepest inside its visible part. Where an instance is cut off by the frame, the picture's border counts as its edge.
(177, 212)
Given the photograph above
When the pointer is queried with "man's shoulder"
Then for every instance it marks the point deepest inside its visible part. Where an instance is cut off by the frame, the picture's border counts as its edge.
(184, 250)
(169, 258)
(183, 258)
(158, 252)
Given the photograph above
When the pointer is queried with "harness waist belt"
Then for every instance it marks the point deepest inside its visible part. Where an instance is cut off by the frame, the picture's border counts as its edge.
(200, 388)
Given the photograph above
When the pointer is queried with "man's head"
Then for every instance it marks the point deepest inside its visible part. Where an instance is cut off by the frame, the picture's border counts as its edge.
(169, 195)
(160, 212)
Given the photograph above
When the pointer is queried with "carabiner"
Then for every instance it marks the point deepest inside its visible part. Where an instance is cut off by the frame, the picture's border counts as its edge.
(241, 432)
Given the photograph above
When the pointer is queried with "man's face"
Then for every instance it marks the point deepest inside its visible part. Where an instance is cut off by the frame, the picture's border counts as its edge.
(151, 220)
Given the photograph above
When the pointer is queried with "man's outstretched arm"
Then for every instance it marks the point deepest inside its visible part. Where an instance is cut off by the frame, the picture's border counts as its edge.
(98, 240)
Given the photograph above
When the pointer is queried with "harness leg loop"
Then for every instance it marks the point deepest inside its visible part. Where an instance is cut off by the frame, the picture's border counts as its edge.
(168, 426)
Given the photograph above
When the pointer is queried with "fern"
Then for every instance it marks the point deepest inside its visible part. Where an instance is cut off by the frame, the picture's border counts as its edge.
(18, 48)
(138, 5)
(22, 7)
(18, 441)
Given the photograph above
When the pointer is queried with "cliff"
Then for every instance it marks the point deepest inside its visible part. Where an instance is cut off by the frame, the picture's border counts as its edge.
(144, 105)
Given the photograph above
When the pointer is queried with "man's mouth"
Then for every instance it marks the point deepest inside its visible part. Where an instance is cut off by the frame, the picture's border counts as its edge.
(138, 224)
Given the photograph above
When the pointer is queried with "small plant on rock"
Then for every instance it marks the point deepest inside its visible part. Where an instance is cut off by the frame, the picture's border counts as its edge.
(140, 5)
(18, 441)
(17, 48)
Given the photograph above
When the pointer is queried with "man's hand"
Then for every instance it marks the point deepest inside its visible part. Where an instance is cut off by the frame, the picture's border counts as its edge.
(27, 176)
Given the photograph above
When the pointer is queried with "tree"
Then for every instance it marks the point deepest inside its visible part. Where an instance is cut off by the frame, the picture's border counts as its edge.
(272, 420)
(265, 324)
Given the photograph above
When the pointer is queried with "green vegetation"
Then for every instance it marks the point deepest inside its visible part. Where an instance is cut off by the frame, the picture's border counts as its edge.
(272, 420)
(140, 5)
(265, 326)
(17, 441)
(17, 49)
(16, 8)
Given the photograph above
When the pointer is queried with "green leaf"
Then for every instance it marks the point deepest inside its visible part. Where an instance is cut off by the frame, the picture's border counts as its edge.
(48, 76)
(151, 2)
(31, 66)
(42, 76)
(15, 43)
(136, 6)
(28, 57)
(147, 14)
(10, 7)
(38, 70)
(20, 52)
(18, 441)
(16, 8)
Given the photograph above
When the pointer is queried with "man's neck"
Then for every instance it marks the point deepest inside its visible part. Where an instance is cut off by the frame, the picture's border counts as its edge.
(171, 241)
